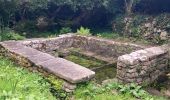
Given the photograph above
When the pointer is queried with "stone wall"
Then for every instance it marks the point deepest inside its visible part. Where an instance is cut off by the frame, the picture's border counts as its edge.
(104, 47)
(92, 44)
(143, 66)
(35, 60)
(50, 44)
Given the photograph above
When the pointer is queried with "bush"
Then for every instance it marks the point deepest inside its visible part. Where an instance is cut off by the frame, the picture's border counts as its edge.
(10, 35)
(65, 30)
(25, 26)
(114, 91)
(83, 31)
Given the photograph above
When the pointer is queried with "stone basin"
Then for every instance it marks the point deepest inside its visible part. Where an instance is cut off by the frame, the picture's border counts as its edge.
(134, 63)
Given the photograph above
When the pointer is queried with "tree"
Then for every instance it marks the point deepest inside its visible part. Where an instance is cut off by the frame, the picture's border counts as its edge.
(22, 10)
(129, 4)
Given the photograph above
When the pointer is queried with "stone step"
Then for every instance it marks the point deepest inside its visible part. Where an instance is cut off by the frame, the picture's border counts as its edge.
(62, 68)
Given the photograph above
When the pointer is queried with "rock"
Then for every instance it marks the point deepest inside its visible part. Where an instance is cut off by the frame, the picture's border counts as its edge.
(148, 25)
(159, 31)
(154, 91)
(147, 34)
(155, 30)
(163, 35)
(167, 93)
(68, 87)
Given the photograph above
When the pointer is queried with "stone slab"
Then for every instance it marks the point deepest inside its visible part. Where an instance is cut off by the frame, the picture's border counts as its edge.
(27, 52)
(68, 70)
(12, 45)
(62, 68)
(41, 57)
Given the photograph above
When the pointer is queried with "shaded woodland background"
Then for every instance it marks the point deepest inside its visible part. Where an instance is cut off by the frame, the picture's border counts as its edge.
(125, 17)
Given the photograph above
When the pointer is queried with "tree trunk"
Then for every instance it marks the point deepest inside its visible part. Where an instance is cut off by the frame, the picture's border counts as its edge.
(128, 6)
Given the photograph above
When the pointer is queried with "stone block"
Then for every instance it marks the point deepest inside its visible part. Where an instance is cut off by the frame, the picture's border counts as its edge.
(67, 70)
(128, 60)
(156, 51)
(68, 87)
(132, 75)
(131, 70)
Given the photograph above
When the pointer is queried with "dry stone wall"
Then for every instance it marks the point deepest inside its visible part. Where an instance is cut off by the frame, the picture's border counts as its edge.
(143, 66)
(91, 44)
(50, 44)
(104, 47)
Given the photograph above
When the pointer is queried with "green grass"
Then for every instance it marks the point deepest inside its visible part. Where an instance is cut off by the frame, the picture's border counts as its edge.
(117, 37)
(19, 84)
(91, 91)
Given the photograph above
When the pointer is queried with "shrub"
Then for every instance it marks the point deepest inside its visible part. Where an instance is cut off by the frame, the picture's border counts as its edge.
(114, 91)
(65, 30)
(11, 35)
(25, 26)
(83, 31)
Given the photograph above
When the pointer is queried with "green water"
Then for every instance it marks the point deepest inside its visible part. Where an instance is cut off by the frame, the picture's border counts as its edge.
(104, 73)
(103, 70)
(84, 61)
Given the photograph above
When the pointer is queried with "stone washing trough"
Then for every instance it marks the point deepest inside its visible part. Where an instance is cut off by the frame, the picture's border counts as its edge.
(135, 63)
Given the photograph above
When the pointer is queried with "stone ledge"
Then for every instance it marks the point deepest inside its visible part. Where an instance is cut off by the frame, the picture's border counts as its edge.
(142, 55)
(62, 68)
(142, 66)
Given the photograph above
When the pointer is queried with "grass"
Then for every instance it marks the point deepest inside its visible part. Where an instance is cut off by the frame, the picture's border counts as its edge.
(112, 91)
(117, 37)
(19, 84)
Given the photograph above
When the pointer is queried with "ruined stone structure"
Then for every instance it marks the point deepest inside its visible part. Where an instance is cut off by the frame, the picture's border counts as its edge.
(143, 65)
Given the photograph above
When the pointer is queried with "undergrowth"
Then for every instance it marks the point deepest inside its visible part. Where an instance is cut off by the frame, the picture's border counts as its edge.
(112, 91)
(19, 84)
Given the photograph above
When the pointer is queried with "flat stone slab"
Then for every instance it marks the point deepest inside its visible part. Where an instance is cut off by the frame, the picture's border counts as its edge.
(142, 55)
(62, 68)
(68, 70)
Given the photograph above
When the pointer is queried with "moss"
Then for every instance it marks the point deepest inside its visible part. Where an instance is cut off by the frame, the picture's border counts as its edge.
(104, 73)
(56, 82)
(83, 61)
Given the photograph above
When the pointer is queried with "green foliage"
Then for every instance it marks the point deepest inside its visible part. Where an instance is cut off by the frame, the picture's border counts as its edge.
(132, 89)
(56, 87)
(83, 31)
(135, 32)
(65, 30)
(84, 4)
(19, 84)
(25, 26)
(10, 35)
(108, 35)
(57, 83)
(113, 91)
